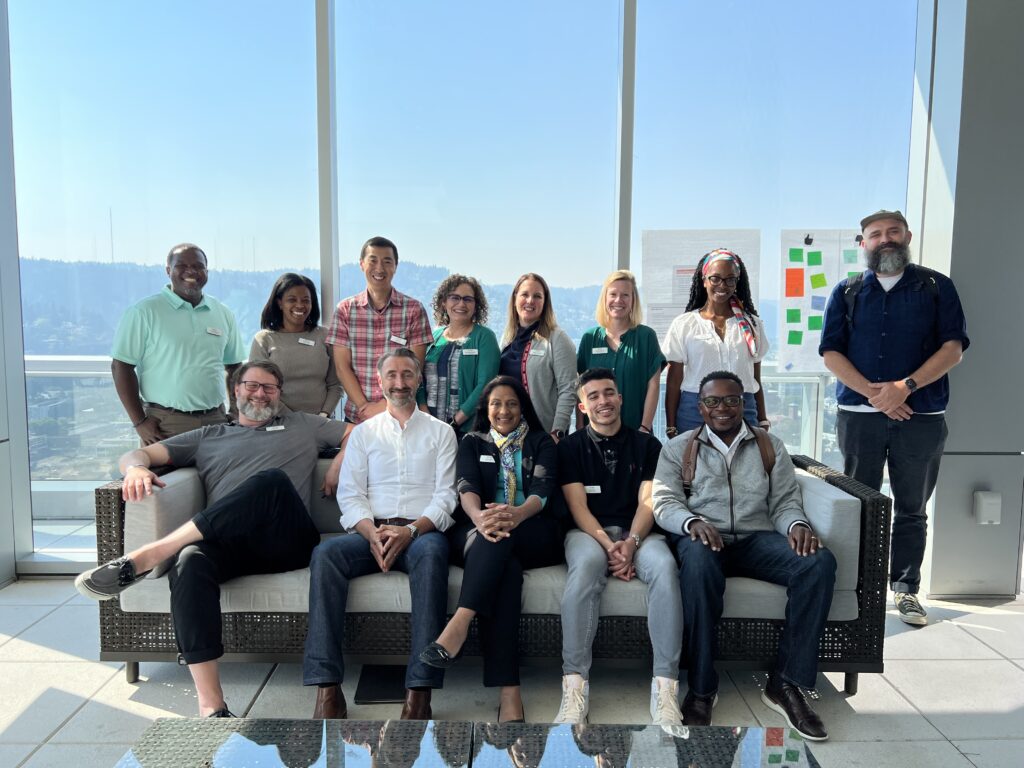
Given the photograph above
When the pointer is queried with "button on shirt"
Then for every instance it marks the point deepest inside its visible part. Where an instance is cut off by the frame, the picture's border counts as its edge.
(179, 351)
(894, 332)
(393, 472)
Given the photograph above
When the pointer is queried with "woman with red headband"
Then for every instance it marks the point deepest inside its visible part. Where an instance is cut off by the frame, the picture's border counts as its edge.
(720, 330)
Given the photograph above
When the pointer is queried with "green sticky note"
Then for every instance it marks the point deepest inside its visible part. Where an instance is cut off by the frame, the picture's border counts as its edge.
(792, 315)
(852, 274)
(818, 280)
(796, 254)
(814, 258)
(814, 323)
(792, 756)
(796, 337)
(849, 255)
(775, 759)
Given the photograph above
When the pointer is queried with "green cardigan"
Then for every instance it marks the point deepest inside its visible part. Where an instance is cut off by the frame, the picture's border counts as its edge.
(474, 370)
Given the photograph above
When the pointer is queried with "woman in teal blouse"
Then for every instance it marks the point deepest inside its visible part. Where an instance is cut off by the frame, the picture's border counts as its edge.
(463, 356)
(630, 349)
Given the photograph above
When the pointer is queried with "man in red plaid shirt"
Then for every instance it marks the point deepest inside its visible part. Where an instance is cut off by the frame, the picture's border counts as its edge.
(370, 323)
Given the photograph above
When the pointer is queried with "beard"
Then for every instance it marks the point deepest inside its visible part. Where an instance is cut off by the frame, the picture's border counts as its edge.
(258, 412)
(400, 398)
(888, 258)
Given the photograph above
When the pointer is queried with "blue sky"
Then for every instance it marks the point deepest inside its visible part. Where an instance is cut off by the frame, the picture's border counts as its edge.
(480, 136)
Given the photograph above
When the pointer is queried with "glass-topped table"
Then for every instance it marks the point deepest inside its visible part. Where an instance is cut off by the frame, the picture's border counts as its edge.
(245, 743)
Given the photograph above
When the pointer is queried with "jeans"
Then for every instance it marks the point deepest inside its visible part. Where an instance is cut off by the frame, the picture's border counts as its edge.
(764, 555)
(587, 579)
(260, 527)
(339, 560)
(913, 449)
(688, 416)
(492, 585)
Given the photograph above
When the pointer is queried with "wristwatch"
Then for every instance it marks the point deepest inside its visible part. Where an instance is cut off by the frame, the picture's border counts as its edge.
(636, 539)
(910, 384)
(413, 530)
(558, 434)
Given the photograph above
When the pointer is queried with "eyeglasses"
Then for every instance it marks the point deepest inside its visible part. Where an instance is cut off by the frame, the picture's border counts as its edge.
(252, 386)
(730, 401)
(458, 297)
(716, 280)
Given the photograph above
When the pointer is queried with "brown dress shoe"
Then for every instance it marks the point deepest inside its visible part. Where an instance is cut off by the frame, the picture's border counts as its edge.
(417, 705)
(330, 704)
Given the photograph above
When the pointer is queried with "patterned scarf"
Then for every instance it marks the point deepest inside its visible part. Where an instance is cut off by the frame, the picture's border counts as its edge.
(507, 446)
(721, 254)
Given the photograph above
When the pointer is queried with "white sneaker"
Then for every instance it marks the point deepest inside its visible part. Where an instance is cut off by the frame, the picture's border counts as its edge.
(575, 700)
(665, 710)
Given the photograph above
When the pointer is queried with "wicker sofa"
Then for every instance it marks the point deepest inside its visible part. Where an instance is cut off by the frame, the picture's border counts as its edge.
(264, 617)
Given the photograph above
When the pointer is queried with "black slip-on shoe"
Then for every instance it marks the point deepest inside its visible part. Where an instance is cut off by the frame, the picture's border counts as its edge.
(788, 700)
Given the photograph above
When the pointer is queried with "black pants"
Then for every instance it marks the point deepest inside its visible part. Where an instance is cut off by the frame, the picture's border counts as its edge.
(260, 527)
(492, 585)
(912, 449)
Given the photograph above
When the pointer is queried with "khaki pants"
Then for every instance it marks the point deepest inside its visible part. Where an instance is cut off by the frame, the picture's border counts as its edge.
(173, 422)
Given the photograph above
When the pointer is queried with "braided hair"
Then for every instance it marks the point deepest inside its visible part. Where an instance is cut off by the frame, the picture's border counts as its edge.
(699, 294)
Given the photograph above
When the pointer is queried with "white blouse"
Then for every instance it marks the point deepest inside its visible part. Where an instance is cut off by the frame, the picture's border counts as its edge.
(694, 342)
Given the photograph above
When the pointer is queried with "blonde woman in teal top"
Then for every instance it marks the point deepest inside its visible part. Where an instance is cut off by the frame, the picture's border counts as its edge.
(630, 349)
(463, 356)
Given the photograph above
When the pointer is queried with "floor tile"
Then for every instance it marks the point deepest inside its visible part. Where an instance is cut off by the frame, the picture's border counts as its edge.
(18, 618)
(1002, 630)
(964, 699)
(69, 633)
(77, 755)
(38, 592)
(941, 639)
(993, 753)
(876, 713)
(120, 712)
(907, 754)
(13, 754)
(38, 697)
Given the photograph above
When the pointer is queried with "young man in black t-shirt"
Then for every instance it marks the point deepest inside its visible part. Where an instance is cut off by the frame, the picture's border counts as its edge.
(606, 471)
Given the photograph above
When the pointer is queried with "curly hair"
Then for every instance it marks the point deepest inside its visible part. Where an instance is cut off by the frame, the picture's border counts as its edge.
(699, 294)
(448, 285)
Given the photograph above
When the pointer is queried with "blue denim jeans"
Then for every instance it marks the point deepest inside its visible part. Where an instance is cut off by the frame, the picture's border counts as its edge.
(688, 415)
(337, 561)
(913, 449)
(764, 555)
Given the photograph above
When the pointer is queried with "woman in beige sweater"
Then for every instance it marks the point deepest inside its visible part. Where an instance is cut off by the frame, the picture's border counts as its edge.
(292, 338)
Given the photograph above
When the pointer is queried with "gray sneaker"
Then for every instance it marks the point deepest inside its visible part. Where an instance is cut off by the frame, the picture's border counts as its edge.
(910, 609)
(109, 580)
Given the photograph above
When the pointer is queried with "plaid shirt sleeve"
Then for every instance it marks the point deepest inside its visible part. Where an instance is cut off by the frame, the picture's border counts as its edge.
(419, 325)
(337, 334)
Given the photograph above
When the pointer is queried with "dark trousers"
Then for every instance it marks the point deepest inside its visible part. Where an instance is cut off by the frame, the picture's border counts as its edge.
(765, 555)
(913, 449)
(260, 527)
(492, 585)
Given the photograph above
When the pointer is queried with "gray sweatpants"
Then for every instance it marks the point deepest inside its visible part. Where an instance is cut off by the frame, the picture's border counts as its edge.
(588, 576)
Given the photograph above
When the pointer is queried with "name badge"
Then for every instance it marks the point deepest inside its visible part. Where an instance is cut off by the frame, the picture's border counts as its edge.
(486, 458)
(215, 331)
(397, 340)
(592, 488)
(538, 352)
(308, 342)
(276, 428)
(471, 352)
(599, 351)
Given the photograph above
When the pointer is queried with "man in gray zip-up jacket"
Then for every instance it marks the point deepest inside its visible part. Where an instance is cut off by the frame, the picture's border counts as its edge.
(737, 521)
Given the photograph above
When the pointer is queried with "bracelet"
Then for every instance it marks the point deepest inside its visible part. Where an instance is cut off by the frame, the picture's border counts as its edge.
(671, 431)
(136, 423)
(636, 539)
(644, 428)
(764, 423)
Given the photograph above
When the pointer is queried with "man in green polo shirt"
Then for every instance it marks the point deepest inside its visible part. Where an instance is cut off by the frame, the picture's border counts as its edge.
(171, 351)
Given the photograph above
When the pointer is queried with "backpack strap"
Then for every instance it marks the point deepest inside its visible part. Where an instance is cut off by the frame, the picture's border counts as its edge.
(690, 462)
(764, 445)
(850, 296)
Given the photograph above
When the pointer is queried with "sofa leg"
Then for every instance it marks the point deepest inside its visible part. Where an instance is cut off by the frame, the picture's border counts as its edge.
(131, 671)
(850, 684)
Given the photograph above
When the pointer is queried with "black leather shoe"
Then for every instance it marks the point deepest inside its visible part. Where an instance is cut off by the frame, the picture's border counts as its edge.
(436, 655)
(223, 712)
(330, 704)
(788, 700)
(697, 709)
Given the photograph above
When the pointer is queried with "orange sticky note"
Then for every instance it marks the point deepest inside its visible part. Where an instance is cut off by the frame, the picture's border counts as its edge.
(794, 283)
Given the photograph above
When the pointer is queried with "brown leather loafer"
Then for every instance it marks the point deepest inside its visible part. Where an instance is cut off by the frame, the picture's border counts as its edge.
(417, 705)
(789, 701)
(330, 704)
(697, 709)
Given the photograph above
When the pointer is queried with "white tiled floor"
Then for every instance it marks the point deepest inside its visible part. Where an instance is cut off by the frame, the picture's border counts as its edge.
(952, 693)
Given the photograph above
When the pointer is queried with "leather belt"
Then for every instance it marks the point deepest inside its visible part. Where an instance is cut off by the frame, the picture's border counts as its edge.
(393, 521)
(187, 413)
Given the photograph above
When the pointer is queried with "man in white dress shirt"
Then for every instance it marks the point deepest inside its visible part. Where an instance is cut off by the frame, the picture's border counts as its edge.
(396, 493)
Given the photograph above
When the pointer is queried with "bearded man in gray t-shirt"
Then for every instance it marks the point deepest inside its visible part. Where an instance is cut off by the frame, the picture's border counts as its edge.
(258, 476)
